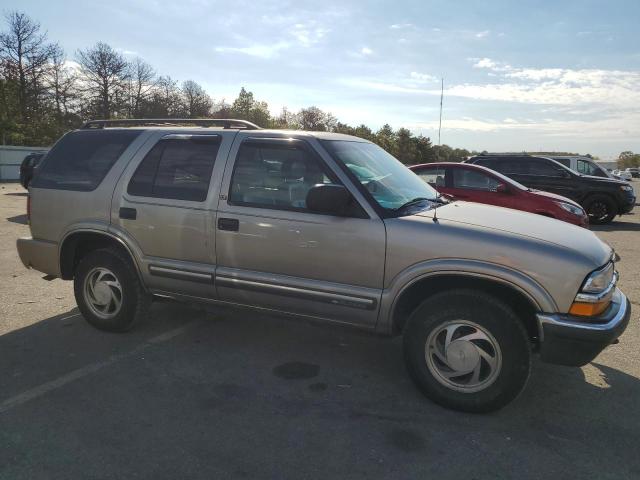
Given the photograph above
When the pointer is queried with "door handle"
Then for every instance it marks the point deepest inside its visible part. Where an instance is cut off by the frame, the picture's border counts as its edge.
(229, 224)
(128, 213)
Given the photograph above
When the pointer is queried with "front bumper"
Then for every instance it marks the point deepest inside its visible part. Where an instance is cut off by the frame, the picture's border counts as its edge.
(570, 340)
(629, 203)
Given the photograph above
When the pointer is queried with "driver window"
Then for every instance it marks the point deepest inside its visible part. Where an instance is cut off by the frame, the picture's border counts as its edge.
(274, 175)
(587, 168)
(469, 179)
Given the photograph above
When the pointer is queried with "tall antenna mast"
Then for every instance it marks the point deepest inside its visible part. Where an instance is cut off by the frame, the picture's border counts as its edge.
(441, 97)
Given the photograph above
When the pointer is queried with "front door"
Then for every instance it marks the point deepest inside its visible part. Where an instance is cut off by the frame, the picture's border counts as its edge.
(274, 253)
(475, 186)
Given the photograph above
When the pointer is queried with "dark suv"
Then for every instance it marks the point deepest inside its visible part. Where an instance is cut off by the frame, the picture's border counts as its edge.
(602, 198)
(28, 167)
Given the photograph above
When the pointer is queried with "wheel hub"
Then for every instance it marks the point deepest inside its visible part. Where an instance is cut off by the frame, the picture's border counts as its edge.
(462, 355)
(102, 293)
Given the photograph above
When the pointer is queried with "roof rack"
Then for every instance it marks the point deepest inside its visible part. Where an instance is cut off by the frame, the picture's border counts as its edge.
(505, 154)
(168, 122)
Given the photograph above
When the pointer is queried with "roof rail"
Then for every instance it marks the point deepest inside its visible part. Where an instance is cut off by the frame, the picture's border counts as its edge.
(168, 122)
(505, 154)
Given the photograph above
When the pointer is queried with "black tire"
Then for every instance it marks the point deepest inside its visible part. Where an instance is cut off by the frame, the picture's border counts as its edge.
(601, 209)
(492, 316)
(134, 301)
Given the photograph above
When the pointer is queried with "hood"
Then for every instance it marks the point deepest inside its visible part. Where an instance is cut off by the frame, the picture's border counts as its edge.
(578, 240)
(554, 196)
(603, 179)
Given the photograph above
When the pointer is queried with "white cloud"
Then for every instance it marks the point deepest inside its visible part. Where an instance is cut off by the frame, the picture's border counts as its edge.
(483, 34)
(261, 51)
(554, 86)
(490, 64)
(309, 33)
(605, 129)
(423, 77)
(398, 26)
(366, 51)
(484, 63)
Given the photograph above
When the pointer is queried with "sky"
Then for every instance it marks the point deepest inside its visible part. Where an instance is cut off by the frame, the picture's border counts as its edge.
(543, 75)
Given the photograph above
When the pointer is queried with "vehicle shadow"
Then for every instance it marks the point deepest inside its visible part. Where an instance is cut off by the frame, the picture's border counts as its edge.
(21, 219)
(616, 227)
(289, 396)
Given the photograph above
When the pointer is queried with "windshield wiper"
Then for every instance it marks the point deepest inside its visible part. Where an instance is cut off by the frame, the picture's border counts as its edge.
(413, 202)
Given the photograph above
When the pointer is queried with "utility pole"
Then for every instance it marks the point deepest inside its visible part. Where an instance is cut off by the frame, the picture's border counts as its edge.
(441, 97)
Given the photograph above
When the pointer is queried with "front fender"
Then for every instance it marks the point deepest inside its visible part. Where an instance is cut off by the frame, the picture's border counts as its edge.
(526, 285)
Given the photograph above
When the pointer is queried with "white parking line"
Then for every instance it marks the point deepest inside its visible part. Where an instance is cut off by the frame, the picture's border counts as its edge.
(47, 387)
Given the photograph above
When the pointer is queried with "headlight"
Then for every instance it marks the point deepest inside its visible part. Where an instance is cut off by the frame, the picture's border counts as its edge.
(571, 208)
(599, 280)
(595, 295)
(626, 188)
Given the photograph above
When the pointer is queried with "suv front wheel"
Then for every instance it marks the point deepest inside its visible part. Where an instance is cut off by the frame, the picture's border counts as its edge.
(467, 350)
(601, 209)
(108, 292)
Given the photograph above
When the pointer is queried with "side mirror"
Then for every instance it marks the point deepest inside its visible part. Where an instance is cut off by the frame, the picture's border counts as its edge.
(328, 199)
(502, 188)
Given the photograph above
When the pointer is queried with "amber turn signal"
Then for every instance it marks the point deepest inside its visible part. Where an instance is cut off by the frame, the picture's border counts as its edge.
(588, 309)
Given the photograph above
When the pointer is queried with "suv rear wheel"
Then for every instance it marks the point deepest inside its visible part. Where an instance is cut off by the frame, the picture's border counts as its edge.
(600, 208)
(108, 292)
(467, 351)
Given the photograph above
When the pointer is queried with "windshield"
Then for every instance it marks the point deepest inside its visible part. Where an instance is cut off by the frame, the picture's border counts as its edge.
(390, 183)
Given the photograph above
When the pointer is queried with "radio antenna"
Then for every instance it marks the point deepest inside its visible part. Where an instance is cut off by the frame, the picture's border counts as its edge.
(441, 97)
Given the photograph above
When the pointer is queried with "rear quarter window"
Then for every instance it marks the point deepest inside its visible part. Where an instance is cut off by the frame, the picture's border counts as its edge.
(81, 159)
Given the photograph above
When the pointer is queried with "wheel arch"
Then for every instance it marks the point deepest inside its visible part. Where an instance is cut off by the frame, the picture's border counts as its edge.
(422, 288)
(78, 243)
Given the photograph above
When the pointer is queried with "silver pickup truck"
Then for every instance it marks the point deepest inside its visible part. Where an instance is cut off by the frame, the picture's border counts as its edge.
(319, 226)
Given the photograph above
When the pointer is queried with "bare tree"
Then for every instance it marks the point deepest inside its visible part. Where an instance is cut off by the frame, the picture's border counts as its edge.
(104, 75)
(142, 79)
(24, 53)
(196, 101)
(165, 99)
(61, 82)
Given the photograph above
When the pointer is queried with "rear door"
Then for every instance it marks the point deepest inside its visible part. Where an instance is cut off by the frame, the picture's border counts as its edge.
(274, 253)
(165, 206)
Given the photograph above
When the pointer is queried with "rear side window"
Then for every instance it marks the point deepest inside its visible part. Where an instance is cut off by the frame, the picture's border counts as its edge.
(434, 176)
(513, 166)
(543, 168)
(178, 169)
(80, 160)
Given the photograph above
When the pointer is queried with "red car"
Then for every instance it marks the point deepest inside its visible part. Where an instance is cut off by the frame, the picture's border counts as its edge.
(475, 183)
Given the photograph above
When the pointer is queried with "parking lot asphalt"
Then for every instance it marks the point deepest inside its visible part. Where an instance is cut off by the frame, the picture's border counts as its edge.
(236, 394)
